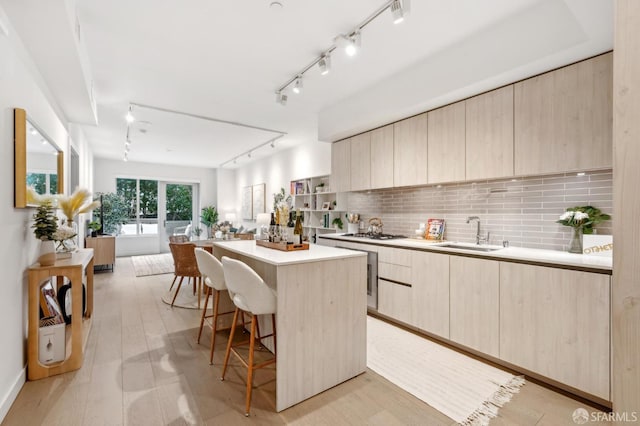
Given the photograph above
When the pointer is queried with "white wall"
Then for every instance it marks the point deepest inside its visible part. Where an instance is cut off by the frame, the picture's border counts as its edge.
(104, 180)
(276, 171)
(20, 86)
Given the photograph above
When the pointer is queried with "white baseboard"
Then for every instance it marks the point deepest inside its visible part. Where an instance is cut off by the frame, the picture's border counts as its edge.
(12, 393)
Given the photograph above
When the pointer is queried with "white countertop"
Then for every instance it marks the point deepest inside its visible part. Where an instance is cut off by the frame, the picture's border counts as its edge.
(316, 253)
(524, 255)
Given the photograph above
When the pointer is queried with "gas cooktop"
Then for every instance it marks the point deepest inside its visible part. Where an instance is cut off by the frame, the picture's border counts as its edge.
(373, 236)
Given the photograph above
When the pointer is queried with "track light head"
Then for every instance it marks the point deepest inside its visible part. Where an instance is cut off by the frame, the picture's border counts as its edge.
(281, 98)
(273, 144)
(126, 158)
(399, 9)
(129, 117)
(349, 42)
(297, 87)
(325, 64)
(249, 154)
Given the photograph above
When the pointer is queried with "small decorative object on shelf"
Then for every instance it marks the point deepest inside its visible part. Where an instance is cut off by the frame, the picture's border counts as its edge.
(337, 222)
(581, 219)
(65, 237)
(81, 201)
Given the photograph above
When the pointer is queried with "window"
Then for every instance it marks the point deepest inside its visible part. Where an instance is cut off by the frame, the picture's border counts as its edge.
(43, 183)
(141, 197)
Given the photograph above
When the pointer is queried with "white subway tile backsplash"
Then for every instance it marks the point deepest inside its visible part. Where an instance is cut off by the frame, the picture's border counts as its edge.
(523, 212)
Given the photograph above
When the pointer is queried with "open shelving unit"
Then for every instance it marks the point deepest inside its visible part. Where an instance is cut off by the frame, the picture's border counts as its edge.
(319, 204)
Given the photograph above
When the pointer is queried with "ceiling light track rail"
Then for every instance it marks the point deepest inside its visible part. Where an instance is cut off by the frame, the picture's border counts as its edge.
(248, 153)
(401, 5)
(203, 117)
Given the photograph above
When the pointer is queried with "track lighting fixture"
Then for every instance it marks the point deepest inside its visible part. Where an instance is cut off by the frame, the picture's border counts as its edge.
(281, 98)
(297, 88)
(129, 117)
(349, 41)
(235, 160)
(127, 143)
(125, 158)
(44, 141)
(325, 64)
(398, 10)
(249, 154)
(273, 144)
(353, 44)
(33, 131)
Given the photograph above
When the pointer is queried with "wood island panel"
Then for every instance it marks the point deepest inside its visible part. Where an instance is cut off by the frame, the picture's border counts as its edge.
(320, 321)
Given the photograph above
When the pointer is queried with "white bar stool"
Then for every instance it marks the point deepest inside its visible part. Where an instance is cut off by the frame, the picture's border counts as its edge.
(211, 270)
(253, 296)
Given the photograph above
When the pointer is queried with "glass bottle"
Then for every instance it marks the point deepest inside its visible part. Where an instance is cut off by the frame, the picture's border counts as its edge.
(297, 229)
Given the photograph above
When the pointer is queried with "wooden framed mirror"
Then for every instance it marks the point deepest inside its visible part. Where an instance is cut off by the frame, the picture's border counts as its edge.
(38, 161)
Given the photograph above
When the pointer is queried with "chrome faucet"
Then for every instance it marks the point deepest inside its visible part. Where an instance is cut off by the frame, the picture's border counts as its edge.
(479, 238)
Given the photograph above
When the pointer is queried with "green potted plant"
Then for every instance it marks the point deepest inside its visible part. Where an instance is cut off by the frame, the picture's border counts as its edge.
(337, 223)
(115, 210)
(95, 227)
(320, 187)
(197, 231)
(209, 217)
(44, 227)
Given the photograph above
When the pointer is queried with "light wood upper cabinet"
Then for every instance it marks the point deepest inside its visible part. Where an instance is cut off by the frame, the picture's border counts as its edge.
(430, 298)
(340, 166)
(563, 119)
(556, 323)
(361, 162)
(382, 157)
(410, 151)
(446, 144)
(489, 127)
(474, 303)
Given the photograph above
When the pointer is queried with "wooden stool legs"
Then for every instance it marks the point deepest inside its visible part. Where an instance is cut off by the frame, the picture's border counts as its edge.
(250, 364)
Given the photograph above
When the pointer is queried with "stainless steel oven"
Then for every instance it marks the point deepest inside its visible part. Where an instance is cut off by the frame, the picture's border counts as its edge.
(372, 277)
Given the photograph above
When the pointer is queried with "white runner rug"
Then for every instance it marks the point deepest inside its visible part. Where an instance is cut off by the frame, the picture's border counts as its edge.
(467, 390)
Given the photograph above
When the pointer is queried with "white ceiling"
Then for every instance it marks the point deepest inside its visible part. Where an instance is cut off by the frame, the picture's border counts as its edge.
(225, 59)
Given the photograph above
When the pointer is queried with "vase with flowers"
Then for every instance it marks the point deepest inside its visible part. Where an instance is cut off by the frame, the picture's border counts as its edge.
(64, 236)
(81, 201)
(582, 220)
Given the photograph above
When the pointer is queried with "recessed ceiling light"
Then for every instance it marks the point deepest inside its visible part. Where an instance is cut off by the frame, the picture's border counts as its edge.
(276, 5)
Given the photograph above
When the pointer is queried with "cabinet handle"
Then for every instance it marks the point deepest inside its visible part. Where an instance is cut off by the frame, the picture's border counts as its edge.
(395, 282)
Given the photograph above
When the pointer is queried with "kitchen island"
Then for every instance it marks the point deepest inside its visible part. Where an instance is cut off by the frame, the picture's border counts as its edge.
(321, 318)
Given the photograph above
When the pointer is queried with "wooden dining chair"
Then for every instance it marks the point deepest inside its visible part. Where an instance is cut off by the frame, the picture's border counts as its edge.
(184, 260)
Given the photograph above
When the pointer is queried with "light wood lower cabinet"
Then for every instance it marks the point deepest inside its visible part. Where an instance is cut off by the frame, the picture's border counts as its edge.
(430, 298)
(474, 303)
(556, 323)
(394, 300)
(104, 249)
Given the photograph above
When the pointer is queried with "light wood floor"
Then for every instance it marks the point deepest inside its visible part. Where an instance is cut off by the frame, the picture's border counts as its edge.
(143, 367)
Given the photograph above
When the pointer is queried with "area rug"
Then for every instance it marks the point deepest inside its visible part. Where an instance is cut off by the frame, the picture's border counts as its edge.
(154, 264)
(186, 298)
(466, 390)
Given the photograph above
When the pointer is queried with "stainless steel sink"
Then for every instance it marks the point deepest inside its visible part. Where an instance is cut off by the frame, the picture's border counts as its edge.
(469, 247)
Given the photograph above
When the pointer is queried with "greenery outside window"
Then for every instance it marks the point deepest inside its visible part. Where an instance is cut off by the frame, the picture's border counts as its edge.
(141, 197)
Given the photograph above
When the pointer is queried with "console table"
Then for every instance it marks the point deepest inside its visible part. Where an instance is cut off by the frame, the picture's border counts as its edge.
(74, 268)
